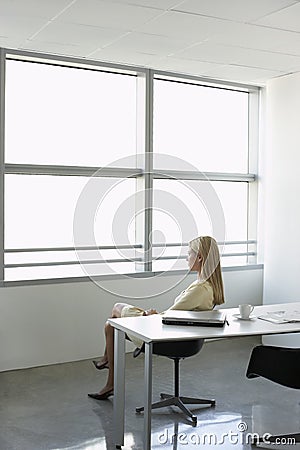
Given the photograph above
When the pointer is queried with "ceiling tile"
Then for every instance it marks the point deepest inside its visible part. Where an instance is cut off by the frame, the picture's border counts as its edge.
(20, 27)
(129, 57)
(147, 43)
(190, 67)
(287, 19)
(210, 52)
(159, 4)
(253, 36)
(290, 44)
(32, 8)
(81, 35)
(264, 60)
(55, 48)
(241, 10)
(185, 26)
(7, 42)
(243, 74)
(108, 14)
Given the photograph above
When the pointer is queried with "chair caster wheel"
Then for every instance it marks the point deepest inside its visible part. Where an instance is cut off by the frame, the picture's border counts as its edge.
(194, 419)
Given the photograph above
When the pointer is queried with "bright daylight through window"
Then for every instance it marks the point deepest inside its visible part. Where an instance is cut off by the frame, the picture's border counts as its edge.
(110, 170)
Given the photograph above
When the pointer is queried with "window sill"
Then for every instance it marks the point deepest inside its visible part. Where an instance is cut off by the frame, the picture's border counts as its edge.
(118, 276)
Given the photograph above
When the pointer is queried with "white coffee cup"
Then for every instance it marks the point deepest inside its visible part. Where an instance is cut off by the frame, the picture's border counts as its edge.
(245, 311)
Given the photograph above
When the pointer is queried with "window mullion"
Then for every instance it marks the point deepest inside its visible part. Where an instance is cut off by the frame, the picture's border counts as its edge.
(2, 144)
(145, 183)
(253, 146)
(148, 171)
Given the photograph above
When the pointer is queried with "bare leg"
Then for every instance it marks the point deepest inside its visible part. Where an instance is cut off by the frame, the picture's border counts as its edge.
(116, 313)
(109, 335)
(109, 348)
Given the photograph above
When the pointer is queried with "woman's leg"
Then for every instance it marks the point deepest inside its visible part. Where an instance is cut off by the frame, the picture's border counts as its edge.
(108, 356)
(116, 313)
(109, 336)
(109, 350)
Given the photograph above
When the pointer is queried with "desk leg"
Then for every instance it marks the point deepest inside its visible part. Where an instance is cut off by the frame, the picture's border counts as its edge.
(119, 387)
(147, 396)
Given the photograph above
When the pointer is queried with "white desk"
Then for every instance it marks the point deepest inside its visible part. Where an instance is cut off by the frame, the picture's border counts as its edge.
(150, 329)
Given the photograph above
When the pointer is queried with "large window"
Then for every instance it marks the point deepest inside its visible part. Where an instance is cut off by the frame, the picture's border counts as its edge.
(208, 127)
(110, 170)
(66, 116)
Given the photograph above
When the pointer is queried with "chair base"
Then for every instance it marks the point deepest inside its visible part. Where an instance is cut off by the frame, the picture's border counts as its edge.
(171, 400)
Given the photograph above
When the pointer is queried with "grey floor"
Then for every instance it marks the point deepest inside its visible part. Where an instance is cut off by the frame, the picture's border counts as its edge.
(47, 407)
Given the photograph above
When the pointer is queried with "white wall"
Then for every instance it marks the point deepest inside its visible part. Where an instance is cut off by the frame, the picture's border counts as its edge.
(48, 324)
(281, 186)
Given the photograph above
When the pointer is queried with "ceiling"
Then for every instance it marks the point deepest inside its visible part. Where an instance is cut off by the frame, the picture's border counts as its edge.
(249, 41)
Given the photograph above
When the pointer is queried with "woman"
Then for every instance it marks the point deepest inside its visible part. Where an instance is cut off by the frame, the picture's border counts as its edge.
(203, 294)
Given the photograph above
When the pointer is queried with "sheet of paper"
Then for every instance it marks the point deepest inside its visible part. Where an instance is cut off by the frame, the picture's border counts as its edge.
(281, 316)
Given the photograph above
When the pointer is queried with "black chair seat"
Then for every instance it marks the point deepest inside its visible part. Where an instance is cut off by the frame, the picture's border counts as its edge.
(278, 364)
(177, 351)
(181, 349)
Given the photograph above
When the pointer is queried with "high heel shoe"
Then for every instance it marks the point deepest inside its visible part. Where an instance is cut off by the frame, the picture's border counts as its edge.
(103, 396)
(100, 366)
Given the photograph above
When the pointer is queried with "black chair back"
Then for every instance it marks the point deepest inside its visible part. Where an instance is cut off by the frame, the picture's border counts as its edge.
(278, 364)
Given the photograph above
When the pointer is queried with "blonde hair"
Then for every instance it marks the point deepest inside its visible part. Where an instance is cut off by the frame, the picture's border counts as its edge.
(207, 248)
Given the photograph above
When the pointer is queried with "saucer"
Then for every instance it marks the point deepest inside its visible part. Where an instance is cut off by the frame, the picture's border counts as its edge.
(238, 316)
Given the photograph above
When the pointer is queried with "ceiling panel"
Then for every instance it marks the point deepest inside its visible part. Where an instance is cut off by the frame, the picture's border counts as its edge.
(208, 51)
(20, 27)
(185, 26)
(83, 36)
(290, 44)
(56, 48)
(12, 42)
(108, 14)
(148, 43)
(253, 36)
(130, 57)
(244, 74)
(287, 19)
(239, 10)
(192, 67)
(159, 4)
(33, 8)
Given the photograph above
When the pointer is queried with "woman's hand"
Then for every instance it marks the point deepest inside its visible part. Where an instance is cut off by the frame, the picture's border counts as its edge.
(150, 311)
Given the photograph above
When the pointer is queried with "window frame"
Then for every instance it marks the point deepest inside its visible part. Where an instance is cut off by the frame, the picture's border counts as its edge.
(146, 175)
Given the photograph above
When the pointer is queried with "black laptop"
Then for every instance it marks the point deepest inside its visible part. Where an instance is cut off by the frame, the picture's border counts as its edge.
(215, 318)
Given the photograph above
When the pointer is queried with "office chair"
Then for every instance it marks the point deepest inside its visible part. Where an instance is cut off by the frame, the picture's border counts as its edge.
(280, 365)
(177, 351)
